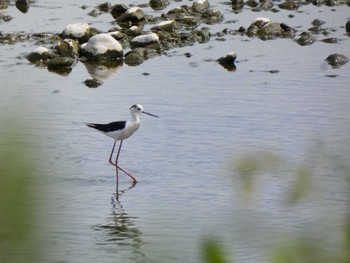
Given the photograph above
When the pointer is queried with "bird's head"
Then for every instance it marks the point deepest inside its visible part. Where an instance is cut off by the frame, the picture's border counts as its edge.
(138, 109)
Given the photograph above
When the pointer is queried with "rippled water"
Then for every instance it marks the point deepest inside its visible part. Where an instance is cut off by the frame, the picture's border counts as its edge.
(282, 98)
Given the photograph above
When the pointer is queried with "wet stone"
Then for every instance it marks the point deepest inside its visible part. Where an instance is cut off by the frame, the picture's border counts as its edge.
(41, 54)
(118, 10)
(289, 5)
(93, 83)
(104, 7)
(78, 31)
(200, 6)
(337, 60)
(347, 27)
(133, 14)
(145, 40)
(330, 40)
(305, 39)
(102, 47)
(158, 4)
(168, 26)
(68, 48)
(60, 62)
(227, 59)
(133, 58)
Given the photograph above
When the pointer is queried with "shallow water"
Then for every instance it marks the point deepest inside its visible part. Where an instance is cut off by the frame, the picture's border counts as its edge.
(282, 98)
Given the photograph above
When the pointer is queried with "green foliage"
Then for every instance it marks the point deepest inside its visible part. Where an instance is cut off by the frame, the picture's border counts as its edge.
(212, 252)
(17, 191)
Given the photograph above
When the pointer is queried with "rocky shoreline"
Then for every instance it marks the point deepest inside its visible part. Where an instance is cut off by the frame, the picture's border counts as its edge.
(127, 41)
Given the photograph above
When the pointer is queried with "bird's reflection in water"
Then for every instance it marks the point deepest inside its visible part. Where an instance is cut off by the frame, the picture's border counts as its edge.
(121, 230)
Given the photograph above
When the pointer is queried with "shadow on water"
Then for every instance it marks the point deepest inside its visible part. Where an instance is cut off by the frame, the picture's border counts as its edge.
(121, 231)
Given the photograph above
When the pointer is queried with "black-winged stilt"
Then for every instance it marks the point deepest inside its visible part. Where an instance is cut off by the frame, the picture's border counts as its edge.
(121, 130)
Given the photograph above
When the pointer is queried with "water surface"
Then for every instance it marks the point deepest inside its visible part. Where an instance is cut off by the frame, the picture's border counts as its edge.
(283, 98)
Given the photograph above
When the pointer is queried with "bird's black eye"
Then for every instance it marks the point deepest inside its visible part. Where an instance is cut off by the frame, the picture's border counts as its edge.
(138, 108)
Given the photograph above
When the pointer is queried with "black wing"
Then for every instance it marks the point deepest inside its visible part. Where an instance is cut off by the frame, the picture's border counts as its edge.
(110, 127)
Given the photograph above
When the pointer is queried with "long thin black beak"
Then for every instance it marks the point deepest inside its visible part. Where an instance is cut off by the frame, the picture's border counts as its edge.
(150, 114)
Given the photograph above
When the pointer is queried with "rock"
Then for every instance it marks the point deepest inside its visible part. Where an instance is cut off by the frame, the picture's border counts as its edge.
(60, 62)
(40, 54)
(330, 40)
(213, 16)
(145, 40)
(337, 60)
(200, 6)
(347, 27)
(158, 4)
(266, 5)
(133, 15)
(257, 23)
(93, 83)
(118, 10)
(133, 58)
(95, 13)
(305, 39)
(78, 31)
(22, 5)
(237, 4)
(265, 29)
(104, 7)
(102, 47)
(168, 26)
(261, 21)
(68, 48)
(289, 5)
(228, 61)
(228, 58)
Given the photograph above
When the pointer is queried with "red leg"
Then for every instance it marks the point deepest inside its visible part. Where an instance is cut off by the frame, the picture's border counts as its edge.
(118, 167)
(110, 157)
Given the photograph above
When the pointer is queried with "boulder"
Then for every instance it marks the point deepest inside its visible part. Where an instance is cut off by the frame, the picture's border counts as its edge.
(168, 26)
(337, 60)
(41, 54)
(102, 47)
(78, 31)
(158, 4)
(145, 40)
(133, 15)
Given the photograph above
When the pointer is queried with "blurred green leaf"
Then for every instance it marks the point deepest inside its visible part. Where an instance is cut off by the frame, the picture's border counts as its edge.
(17, 191)
(213, 253)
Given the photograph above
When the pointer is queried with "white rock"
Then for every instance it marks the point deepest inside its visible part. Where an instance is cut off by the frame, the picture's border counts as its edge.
(40, 50)
(144, 40)
(261, 21)
(77, 30)
(133, 10)
(100, 44)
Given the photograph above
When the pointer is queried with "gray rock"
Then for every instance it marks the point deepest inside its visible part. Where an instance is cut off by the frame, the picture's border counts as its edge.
(78, 31)
(118, 10)
(158, 4)
(102, 47)
(145, 40)
(133, 14)
(305, 39)
(347, 27)
(228, 58)
(337, 60)
(41, 54)
(133, 58)
(104, 7)
(200, 6)
(68, 48)
(168, 26)
(60, 62)
(237, 4)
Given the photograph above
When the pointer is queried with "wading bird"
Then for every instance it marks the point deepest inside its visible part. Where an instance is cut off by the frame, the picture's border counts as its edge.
(119, 131)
